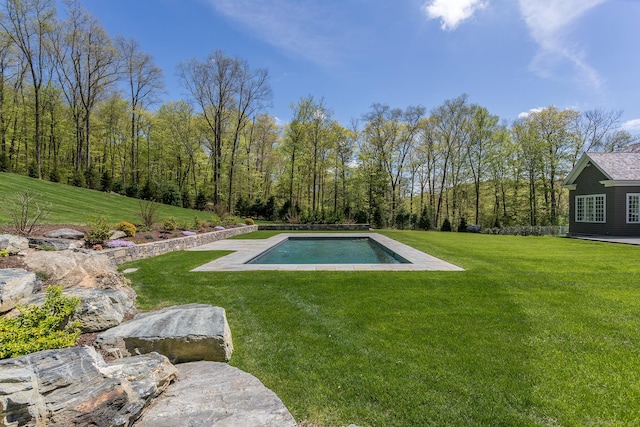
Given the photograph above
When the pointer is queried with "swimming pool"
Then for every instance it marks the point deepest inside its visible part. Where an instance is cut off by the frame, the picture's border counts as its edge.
(328, 250)
(244, 250)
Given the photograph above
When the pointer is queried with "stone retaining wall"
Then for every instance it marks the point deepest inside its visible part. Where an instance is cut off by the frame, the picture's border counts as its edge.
(316, 227)
(146, 250)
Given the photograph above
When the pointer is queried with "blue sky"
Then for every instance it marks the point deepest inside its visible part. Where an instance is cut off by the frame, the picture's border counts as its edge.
(509, 56)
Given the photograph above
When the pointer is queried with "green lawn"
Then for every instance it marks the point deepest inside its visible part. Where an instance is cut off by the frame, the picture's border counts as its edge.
(536, 331)
(73, 205)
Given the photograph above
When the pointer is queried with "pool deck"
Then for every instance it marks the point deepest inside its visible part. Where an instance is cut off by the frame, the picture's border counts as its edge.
(246, 250)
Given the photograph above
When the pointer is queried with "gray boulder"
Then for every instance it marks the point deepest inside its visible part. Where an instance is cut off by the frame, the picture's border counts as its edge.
(65, 233)
(216, 394)
(184, 333)
(13, 244)
(74, 387)
(117, 234)
(99, 309)
(55, 244)
(16, 285)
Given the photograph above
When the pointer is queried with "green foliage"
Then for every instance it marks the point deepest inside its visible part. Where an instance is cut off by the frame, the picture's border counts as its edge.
(230, 220)
(215, 220)
(198, 223)
(127, 227)
(171, 196)
(249, 221)
(148, 192)
(78, 180)
(4, 162)
(106, 182)
(170, 224)
(54, 175)
(40, 328)
(201, 201)
(132, 190)
(4, 253)
(98, 233)
(462, 227)
(446, 225)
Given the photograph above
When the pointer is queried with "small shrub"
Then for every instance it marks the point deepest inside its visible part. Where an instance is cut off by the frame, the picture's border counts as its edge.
(26, 212)
(128, 228)
(4, 253)
(183, 225)
(201, 201)
(98, 233)
(446, 225)
(144, 229)
(231, 220)
(148, 236)
(41, 328)
(462, 227)
(169, 224)
(215, 220)
(132, 190)
(148, 212)
(198, 223)
(249, 221)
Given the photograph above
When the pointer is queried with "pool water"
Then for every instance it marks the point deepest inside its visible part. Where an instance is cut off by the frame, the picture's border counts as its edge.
(328, 250)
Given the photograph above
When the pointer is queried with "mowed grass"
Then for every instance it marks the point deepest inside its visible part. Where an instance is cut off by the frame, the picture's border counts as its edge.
(74, 205)
(536, 331)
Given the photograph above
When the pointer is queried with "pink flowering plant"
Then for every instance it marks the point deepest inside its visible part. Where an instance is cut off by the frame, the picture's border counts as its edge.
(118, 243)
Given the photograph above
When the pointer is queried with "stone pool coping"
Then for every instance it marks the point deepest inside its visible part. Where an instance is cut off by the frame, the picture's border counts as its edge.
(246, 250)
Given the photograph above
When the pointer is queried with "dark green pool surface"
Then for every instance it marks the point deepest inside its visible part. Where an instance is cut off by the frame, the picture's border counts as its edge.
(328, 250)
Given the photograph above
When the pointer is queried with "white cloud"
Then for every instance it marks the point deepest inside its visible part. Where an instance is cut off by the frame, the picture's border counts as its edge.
(452, 12)
(550, 23)
(631, 125)
(306, 28)
(526, 114)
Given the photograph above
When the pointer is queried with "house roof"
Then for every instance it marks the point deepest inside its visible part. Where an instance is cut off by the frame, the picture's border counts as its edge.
(619, 168)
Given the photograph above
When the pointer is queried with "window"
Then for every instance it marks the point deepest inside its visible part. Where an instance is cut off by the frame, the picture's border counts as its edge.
(633, 208)
(591, 208)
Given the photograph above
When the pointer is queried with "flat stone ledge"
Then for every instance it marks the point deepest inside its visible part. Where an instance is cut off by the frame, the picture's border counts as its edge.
(216, 394)
(183, 333)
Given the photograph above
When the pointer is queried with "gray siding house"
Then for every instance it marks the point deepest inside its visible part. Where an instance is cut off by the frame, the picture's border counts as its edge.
(604, 194)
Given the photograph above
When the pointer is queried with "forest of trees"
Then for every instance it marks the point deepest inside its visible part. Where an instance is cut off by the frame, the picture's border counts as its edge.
(82, 107)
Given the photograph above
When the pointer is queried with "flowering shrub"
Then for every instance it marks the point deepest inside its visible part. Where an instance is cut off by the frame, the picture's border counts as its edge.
(249, 221)
(127, 227)
(218, 228)
(188, 233)
(118, 243)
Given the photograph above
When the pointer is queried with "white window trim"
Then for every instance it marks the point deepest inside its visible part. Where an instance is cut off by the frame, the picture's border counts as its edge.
(593, 196)
(629, 195)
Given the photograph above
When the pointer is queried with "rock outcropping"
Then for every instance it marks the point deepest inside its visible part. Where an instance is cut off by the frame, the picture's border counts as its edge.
(226, 396)
(182, 333)
(13, 244)
(75, 387)
(16, 285)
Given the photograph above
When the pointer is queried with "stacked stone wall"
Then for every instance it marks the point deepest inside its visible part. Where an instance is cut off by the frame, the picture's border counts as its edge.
(147, 250)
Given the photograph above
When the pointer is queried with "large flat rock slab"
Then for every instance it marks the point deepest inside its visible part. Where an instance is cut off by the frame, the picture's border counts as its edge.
(75, 387)
(216, 394)
(184, 333)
